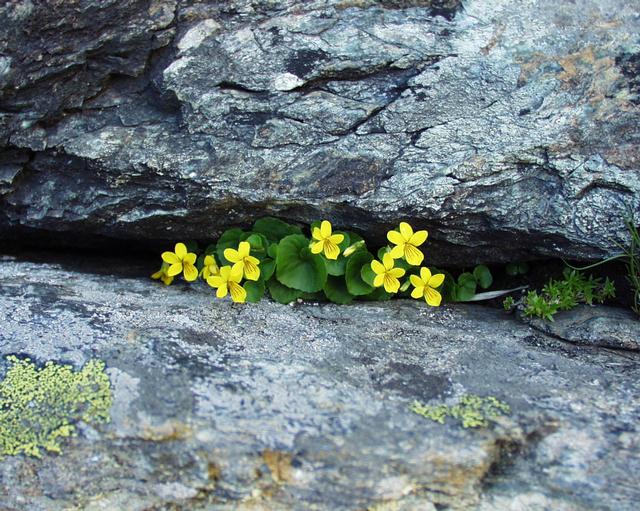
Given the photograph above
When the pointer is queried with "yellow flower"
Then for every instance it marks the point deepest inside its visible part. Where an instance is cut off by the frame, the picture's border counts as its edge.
(425, 286)
(161, 274)
(406, 242)
(181, 260)
(386, 274)
(209, 267)
(325, 241)
(228, 281)
(243, 262)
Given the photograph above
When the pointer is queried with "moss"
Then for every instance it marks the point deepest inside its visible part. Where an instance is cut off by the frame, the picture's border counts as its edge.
(40, 406)
(472, 411)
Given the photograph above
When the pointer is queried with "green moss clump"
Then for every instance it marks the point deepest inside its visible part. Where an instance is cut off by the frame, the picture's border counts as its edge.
(40, 406)
(472, 411)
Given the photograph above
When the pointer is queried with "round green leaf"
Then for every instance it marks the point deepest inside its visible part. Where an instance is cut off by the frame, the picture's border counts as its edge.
(274, 229)
(254, 289)
(281, 293)
(336, 267)
(297, 267)
(353, 273)
(483, 276)
(465, 289)
(367, 274)
(336, 290)
(267, 267)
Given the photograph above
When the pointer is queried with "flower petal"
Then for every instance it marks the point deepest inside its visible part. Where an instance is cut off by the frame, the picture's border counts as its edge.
(170, 257)
(317, 247)
(413, 255)
(432, 297)
(225, 271)
(418, 292)
(174, 269)
(244, 248)
(316, 234)
(391, 284)
(331, 250)
(209, 260)
(397, 252)
(238, 293)
(222, 290)
(418, 238)
(336, 238)
(379, 280)
(167, 280)
(387, 260)
(325, 229)
(157, 275)
(190, 258)
(396, 272)
(181, 250)
(251, 270)
(231, 255)
(190, 271)
(236, 270)
(395, 237)
(436, 280)
(235, 275)
(425, 274)
(377, 267)
(416, 281)
(215, 281)
(406, 231)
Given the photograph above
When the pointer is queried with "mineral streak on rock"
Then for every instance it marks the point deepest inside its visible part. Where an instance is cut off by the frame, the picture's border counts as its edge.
(508, 129)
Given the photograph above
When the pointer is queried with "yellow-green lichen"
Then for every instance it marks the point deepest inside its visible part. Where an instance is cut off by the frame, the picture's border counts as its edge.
(472, 411)
(40, 406)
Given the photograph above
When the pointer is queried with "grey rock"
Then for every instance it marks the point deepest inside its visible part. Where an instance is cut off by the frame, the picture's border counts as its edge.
(603, 326)
(507, 129)
(219, 406)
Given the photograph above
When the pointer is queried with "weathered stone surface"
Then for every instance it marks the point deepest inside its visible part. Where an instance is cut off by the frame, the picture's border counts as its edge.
(265, 406)
(509, 129)
(608, 327)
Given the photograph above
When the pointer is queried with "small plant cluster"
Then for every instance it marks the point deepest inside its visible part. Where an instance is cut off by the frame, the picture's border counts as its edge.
(278, 258)
(471, 410)
(40, 406)
(564, 294)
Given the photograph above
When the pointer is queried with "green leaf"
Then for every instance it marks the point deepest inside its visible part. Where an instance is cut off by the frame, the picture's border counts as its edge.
(483, 276)
(281, 293)
(272, 251)
(229, 239)
(210, 250)
(336, 267)
(378, 295)
(345, 241)
(274, 229)
(382, 251)
(353, 275)
(259, 244)
(255, 290)
(297, 267)
(318, 296)
(367, 274)
(267, 267)
(465, 289)
(336, 290)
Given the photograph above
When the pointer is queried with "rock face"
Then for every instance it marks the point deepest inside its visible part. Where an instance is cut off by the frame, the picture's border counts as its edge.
(508, 129)
(265, 406)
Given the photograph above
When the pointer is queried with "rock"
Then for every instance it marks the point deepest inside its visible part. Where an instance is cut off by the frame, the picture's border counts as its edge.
(220, 406)
(508, 129)
(608, 327)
